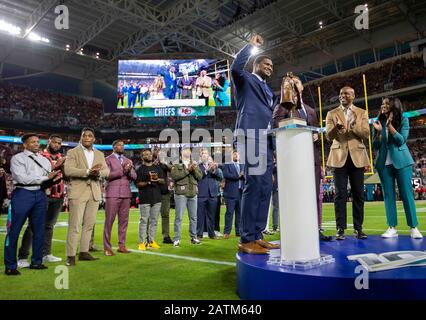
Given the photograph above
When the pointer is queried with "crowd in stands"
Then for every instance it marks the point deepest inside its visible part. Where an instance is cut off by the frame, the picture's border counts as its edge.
(23, 103)
(396, 74)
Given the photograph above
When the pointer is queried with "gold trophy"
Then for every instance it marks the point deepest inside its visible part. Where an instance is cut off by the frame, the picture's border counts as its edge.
(290, 100)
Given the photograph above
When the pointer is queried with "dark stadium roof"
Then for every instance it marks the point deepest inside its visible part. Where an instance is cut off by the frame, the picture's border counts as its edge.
(199, 28)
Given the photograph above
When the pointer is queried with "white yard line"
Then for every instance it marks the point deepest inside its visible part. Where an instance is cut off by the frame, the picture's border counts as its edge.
(174, 256)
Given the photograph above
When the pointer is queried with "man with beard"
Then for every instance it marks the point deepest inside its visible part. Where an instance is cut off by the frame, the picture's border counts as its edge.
(149, 181)
(55, 200)
(255, 102)
(118, 196)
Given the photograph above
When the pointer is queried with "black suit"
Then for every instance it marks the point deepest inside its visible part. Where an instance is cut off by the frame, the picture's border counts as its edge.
(281, 113)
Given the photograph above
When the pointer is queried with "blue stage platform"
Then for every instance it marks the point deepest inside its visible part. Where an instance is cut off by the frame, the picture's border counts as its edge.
(336, 281)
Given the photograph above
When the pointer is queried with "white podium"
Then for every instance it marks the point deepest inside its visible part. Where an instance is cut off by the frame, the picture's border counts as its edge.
(297, 198)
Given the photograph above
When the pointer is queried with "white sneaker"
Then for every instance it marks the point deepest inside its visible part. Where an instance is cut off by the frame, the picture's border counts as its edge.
(415, 233)
(23, 263)
(176, 243)
(195, 241)
(51, 258)
(390, 233)
(218, 234)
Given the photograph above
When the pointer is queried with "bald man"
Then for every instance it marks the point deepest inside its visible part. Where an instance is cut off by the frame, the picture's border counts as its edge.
(347, 127)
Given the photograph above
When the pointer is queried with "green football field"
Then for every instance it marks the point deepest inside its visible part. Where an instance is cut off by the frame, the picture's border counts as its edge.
(204, 272)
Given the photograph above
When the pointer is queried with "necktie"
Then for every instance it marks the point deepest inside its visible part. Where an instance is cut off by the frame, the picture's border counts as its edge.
(120, 158)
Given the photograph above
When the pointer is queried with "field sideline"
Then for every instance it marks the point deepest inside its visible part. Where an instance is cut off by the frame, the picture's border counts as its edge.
(204, 272)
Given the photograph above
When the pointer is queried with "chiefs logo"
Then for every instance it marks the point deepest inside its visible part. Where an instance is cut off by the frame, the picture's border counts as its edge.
(185, 111)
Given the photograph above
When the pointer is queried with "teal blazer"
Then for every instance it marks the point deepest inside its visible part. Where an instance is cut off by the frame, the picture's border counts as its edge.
(396, 145)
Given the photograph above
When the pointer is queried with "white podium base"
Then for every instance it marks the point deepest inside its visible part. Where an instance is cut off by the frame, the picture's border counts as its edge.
(302, 264)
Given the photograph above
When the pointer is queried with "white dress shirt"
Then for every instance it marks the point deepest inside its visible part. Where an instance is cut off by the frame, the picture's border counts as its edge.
(90, 156)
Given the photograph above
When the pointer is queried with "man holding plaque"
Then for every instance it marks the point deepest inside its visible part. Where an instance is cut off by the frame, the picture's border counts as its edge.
(149, 181)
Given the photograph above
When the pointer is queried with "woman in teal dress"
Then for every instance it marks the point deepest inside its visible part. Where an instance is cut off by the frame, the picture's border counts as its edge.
(220, 88)
(395, 164)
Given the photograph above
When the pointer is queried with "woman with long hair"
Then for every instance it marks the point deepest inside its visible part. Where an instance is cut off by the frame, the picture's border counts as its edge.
(394, 163)
(220, 87)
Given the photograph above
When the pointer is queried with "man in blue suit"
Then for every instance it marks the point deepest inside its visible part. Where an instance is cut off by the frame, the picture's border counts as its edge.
(208, 193)
(132, 94)
(234, 184)
(170, 81)
(255, 102)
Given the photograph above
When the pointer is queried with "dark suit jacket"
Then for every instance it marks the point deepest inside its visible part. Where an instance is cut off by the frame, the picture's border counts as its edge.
(208, 186)
(232, 181)
(281, 113)
(185, 92)
(251, 98)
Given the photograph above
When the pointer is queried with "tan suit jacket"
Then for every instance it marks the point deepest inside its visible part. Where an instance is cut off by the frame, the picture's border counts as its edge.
(203, 85)
(76, 170)
(347, 140)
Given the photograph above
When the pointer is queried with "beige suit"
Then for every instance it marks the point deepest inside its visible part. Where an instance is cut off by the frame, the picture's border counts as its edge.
(348, 140)
(84, 194)
(203, 85)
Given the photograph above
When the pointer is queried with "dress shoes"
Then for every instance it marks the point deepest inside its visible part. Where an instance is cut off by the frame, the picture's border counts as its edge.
(252, 248)
(85, 256)
(109, 253)
(359, 234)
(12, 272)
(226, 236)
(123, 250)
(37, 266)
(267, 245)
(323, 237)
(71, 261)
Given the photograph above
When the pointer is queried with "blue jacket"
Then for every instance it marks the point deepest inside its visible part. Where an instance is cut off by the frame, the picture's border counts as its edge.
(251, 97)
(395, 145)
(208, 186)
(232, 181)
(171, 85)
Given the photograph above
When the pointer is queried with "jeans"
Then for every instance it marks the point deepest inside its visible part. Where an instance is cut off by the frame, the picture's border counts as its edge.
(149, 216)
(182, 202)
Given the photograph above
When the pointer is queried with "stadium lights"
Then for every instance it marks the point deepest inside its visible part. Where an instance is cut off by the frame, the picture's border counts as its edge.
(35, 37)
(67, 47)
(366, 6)
(97, 55)
(9, 28)
(320, 24)
(254, 51)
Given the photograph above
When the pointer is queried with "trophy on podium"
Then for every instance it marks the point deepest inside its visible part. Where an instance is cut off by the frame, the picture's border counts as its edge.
(291, 100)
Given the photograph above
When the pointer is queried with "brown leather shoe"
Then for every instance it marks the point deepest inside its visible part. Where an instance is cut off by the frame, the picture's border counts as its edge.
(252, 248)
(123, 250)
(267, 245)
(226, 236)
(70, 261)
(109, 253)
(85, 256)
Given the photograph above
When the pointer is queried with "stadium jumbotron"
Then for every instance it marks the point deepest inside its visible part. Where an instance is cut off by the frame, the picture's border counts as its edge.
(213, 150)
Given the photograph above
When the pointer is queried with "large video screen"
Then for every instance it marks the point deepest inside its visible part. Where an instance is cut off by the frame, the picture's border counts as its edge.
(173, 83)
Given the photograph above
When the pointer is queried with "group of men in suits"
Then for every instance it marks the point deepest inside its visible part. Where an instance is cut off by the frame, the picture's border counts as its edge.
(259, 110)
